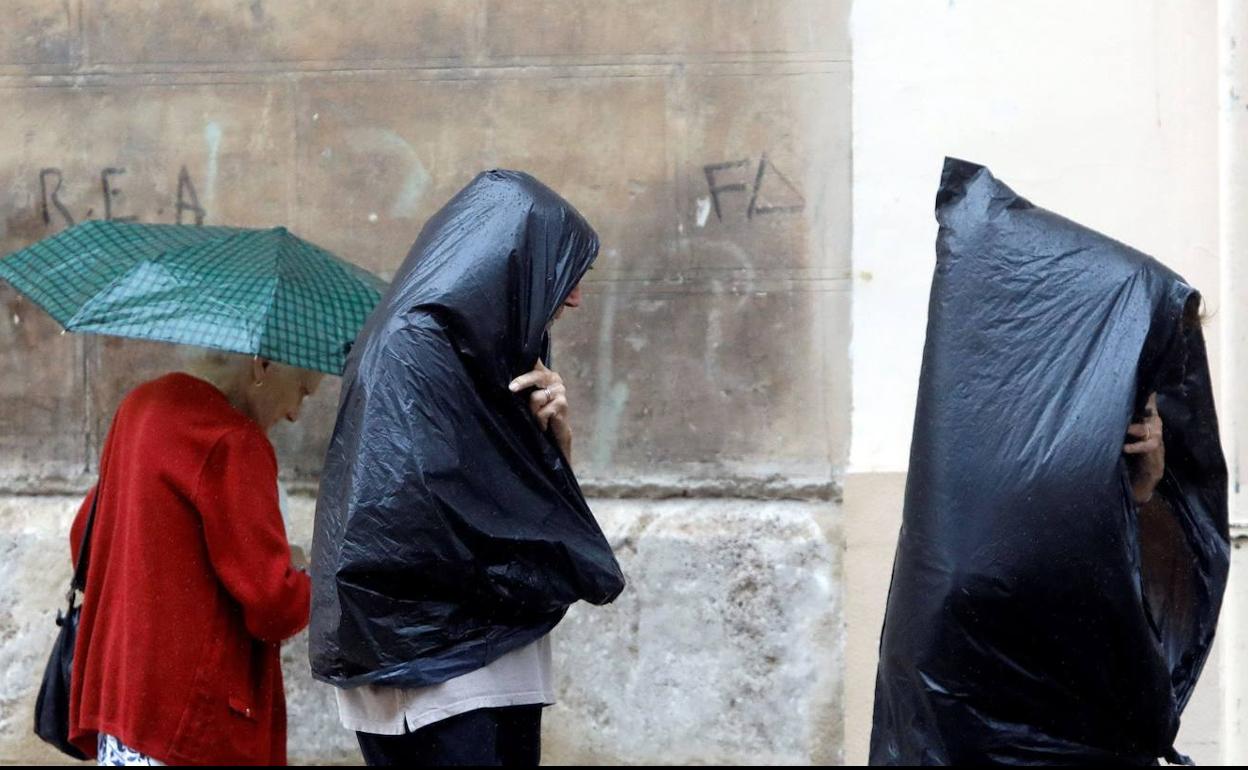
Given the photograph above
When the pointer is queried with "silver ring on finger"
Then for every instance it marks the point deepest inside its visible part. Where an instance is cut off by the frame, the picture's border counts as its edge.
(1148, 431)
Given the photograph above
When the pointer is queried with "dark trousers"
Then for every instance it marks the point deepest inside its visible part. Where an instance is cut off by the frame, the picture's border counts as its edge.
(502, 737)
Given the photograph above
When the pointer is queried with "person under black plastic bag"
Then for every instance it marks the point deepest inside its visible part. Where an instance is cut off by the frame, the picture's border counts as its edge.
(451, 535)
(1064, 544)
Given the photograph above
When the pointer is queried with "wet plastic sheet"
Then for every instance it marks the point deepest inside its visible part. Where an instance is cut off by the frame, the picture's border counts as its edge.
(1036, 613)
(449, 529)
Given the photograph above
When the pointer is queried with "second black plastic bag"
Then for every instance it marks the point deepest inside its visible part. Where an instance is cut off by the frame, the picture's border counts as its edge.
(1037, 614)
(449, 528)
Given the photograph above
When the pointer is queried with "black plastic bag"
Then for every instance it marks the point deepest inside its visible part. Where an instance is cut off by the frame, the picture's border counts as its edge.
(1036, 613)
(449, 528)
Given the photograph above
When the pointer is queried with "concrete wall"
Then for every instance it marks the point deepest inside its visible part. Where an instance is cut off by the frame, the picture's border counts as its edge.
(707, 140)
(1121, 115)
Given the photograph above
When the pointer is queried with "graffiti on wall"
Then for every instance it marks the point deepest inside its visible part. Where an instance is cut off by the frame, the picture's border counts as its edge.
(763, 191)
(111, 205)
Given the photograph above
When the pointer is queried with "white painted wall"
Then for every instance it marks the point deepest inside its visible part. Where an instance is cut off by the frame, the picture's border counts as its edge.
(1104, 112)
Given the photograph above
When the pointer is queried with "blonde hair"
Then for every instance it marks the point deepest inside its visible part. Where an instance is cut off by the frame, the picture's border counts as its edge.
(215, 361)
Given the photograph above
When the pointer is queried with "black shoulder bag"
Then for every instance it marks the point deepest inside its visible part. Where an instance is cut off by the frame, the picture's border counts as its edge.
(52, 705)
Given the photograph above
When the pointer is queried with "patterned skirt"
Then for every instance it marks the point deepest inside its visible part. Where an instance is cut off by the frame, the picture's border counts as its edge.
(111, 752)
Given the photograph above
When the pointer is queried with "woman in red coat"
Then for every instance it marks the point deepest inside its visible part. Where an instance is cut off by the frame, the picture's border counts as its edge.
(190, 587)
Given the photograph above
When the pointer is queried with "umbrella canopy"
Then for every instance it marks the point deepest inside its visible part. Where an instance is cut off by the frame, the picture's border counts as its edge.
(256, 292)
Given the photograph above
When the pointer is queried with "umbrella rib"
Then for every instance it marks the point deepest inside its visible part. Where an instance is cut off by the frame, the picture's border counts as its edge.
(268, 311)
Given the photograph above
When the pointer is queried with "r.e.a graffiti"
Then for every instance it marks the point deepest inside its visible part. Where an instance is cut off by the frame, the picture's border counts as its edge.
(51, 180)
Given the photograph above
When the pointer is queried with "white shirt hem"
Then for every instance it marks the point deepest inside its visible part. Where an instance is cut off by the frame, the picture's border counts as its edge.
(415, 719)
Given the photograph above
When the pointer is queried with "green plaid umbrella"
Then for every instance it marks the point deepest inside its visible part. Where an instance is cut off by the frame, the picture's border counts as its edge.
(258, 292)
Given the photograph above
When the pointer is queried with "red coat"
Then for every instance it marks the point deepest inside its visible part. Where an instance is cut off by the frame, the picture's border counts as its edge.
(190, 589)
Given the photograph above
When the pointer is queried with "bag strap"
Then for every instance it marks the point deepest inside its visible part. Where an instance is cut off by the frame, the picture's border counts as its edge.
(79, 581)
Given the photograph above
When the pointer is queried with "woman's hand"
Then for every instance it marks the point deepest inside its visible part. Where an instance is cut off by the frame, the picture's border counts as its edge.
(549, 404)
(1149, 452)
